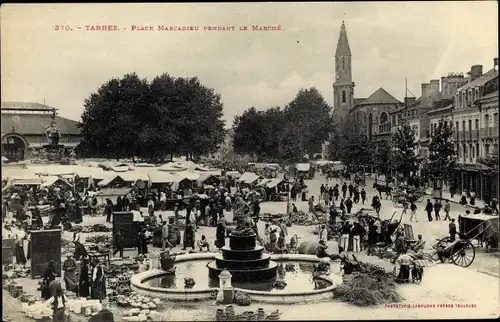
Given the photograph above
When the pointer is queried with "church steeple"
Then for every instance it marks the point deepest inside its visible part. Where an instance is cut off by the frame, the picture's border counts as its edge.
(343, 86)
(343, 48)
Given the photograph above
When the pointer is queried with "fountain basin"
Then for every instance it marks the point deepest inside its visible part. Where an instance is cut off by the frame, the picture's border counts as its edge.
(201, 292)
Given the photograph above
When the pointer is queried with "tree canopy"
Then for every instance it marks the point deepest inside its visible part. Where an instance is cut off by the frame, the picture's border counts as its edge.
(382, 156)
(349, 143)
(442, 154)
(287, 134)
(130, 117)
(404, 148)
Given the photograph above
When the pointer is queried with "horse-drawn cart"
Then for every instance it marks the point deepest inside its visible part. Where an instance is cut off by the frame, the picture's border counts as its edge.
(461, 251)
(483, 227)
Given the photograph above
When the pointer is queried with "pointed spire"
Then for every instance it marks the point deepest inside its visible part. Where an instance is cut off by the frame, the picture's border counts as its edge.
(343, 48)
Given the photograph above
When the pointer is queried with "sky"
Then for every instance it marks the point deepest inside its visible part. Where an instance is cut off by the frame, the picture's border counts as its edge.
(389, 42)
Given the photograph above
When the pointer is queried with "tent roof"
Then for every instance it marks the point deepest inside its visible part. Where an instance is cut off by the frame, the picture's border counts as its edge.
(171, 166)
(189, 175)
(248, 177)
(114, 191)
(303, 166)
(274, 182)
(164, 177)
(133, 176)
(263, 182)
(51, 180)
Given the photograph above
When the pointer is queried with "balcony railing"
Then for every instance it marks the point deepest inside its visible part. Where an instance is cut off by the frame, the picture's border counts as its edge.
(490, 132)
(384, 128)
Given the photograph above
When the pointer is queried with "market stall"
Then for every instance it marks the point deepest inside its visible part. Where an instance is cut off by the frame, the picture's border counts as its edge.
(481, 227)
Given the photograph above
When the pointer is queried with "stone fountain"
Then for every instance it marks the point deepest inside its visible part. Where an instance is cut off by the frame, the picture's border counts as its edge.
(243, 258)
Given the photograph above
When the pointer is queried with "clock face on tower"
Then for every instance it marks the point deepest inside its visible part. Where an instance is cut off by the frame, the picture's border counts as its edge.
(337, 77)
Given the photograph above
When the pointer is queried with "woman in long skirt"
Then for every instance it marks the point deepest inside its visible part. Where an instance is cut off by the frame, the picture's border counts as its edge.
(69, 268)
(84, 282)
(48, 276)
(19, 251)
(188, 236)
(98, 289)
(220, 235)
(57, 302)
(28, 252)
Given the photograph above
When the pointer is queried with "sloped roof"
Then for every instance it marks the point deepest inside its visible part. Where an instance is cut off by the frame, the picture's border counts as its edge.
(358, 101)
(491, 97)
(380, 96)
(441, 104)
(343, 48)
(26, 106)
(481, 80)
(34, 124)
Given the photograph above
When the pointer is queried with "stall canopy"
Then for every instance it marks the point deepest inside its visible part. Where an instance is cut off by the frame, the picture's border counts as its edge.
(164, 177)
(263, 182)
(249, 177)
(303, 167)
(171, 166)
(189, 175)
(205, 176)
(133, 176)
(274, 183)
(113, 179)
(112, 194)
(50, 181)
(233, 174)
(26, 181)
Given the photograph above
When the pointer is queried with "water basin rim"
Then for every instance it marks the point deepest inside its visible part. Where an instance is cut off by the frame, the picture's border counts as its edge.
(138, 279)
(160, 273)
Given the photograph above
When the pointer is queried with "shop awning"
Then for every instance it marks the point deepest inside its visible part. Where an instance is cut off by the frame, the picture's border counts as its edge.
(303, 166)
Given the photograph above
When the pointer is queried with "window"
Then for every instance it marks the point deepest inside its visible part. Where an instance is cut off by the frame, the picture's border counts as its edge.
(383, 117)
(495, 120)
(394, 119)
(459, 100)
(477, 150)
(477, 124)
(486, 150)
(343, 97)
(471, 149)
(343, 63)
(486, 121)
(465, 151)
(463, 126)
(470, 125)
(458, 151)
(477, 93)
(457, 127)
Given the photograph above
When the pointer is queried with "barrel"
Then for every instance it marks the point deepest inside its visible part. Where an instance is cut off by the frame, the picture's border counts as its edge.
(172, 236)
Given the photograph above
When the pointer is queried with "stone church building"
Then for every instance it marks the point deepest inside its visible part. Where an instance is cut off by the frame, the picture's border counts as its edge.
(372, 113)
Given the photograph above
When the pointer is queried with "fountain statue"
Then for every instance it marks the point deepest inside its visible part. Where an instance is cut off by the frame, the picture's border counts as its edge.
(243, 258)
(54, 150)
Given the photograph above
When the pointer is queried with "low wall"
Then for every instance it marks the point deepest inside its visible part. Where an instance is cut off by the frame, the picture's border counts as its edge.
(284, 297)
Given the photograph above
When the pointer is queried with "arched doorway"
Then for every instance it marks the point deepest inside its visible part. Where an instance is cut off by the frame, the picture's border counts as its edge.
(13, 147)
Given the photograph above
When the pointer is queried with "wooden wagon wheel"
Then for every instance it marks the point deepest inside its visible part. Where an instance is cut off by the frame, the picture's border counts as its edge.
(463, 253)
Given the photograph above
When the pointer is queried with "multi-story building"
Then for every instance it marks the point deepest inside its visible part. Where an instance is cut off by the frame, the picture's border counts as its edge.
(475, 119)
(23, 129)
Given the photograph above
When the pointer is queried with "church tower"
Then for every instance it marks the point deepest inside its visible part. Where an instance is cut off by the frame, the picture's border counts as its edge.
(343, 87)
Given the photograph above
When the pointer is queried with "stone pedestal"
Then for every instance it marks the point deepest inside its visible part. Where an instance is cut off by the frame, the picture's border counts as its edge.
(54, 151)
(154, 261)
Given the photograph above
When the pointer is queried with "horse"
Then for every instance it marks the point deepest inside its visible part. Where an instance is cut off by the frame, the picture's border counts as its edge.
(386, 189)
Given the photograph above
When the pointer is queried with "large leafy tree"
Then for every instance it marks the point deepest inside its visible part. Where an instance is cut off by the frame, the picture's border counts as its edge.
(442, 154)
(382, 156)
(111, 121)
(349, 143)
(404, 148)
(131, 117)
(311, 115)
(250, 133)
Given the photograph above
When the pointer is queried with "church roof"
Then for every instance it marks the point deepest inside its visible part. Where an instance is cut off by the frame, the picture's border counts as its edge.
(380, 96)
(358, 101)
(343, 48)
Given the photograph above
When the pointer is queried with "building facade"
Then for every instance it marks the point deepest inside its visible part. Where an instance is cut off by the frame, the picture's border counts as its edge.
(24, 125)
(475, 119)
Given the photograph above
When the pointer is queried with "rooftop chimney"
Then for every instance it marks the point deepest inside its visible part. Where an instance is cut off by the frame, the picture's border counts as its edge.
(409, 100)
(495, 63)
(476, 71)
(435, 90)
(426, 92)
